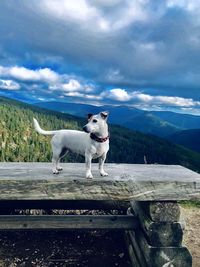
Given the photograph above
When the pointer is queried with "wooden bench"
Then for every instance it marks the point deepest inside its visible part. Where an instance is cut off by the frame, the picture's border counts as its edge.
(153, 228)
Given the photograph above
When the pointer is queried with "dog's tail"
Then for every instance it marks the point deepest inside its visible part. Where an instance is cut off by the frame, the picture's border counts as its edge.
(40, 130)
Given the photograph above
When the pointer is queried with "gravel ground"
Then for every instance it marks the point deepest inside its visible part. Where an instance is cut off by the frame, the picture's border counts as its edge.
(192, 232)
(67, 249)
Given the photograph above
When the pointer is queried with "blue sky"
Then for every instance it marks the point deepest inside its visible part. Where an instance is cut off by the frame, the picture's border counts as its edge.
(139, 53)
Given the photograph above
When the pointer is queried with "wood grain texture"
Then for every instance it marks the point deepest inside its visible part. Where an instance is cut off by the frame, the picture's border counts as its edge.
(163, 211)
(132, 251)
(134, 248)
(163, 256)
(59, 222)
(34, 181)
(160, 234)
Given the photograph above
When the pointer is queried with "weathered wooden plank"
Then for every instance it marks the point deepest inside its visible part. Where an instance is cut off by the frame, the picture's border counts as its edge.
(63, 222)
(162, 234)
(162, 211)
(136, 172)
(133, 245)
(164, 256)
(131, 251)
(97, 189)
(34, 181)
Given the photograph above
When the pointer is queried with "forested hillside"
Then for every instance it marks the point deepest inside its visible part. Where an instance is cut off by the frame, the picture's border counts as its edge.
(20, 142)
(187, 138)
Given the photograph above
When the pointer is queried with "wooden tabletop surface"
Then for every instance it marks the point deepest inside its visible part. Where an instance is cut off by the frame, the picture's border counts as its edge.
(125, 182)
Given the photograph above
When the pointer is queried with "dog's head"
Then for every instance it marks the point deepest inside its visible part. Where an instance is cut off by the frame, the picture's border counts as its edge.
(97, 123)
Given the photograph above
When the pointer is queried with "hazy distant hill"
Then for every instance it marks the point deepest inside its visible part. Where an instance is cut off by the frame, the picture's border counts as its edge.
(183, 121)
(19, 141)
(132, 118)
(187, 138)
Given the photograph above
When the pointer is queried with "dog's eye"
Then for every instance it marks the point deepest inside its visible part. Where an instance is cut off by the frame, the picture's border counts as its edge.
(94, 121)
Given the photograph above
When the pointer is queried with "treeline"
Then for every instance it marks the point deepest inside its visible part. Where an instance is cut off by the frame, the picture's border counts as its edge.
(20, 142)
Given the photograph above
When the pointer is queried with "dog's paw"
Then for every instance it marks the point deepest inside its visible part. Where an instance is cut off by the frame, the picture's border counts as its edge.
(55, 172)
(103, 173)
(89, 175)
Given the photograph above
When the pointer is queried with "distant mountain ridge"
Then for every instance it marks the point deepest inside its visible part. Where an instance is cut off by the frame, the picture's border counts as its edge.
(183, 121)
(160, 123)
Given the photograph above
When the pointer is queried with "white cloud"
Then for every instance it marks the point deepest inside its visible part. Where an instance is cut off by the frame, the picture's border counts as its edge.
(117, 94)
(137, 97)
(95, 97)
(72, 85)
(82, 95)
(190, 5)
(9, 85)
(25, 74)
(132, 12)
(78, 10)
(41, 99)
(93, 13)
(177, 101)
(74, 94)
(44, 77)
(142, 97)
(164, 100)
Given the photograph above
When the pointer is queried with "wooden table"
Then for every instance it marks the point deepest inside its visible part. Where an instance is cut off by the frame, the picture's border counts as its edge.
(153, 228)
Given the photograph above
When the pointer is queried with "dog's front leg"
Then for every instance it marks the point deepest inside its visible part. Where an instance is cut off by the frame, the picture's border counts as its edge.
(101, 164)
(88, 160)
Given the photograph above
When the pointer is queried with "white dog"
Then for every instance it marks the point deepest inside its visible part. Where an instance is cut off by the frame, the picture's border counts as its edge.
(92, 143)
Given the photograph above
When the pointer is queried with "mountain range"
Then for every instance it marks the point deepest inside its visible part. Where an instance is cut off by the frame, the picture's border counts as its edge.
(160, 123)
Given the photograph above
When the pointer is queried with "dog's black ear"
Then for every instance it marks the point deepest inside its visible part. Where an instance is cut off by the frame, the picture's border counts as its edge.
(89, 116)
(104, 114)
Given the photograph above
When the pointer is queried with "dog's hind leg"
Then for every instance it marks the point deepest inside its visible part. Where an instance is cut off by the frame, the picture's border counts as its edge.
(58, 153)
(57, 150)
(63, 152)
(55, 161)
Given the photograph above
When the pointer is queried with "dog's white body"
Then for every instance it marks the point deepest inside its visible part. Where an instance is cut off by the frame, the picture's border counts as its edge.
(80, 143)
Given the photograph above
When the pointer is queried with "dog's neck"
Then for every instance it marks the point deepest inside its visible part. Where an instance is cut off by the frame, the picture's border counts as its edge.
(100, 137)
(94, 137)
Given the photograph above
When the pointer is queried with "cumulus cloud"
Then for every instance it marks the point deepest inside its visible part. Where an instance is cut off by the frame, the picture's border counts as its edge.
(9, 85)
(83, 95)
(165, 100)
(176, 101)
(25, 74)
(45, 75)
(137, 97)
(71, 85)
(117, 94)
(37, 80)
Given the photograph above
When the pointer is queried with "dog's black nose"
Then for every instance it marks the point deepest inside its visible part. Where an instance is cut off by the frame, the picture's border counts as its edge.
(85, 129)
